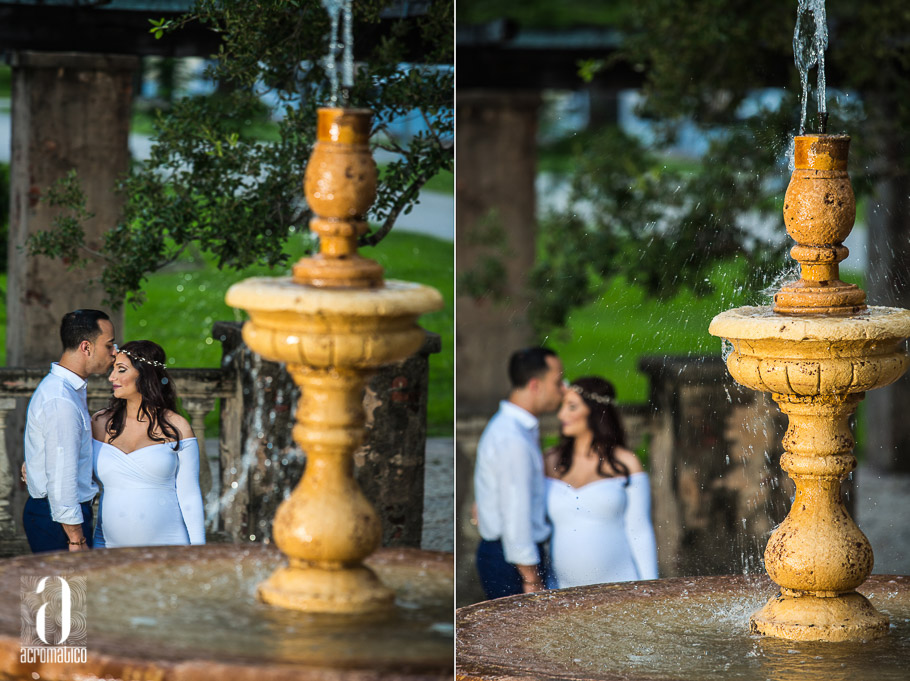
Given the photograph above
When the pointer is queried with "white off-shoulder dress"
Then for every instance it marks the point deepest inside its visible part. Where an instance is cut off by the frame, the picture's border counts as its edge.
(602, 531)
(150, 497)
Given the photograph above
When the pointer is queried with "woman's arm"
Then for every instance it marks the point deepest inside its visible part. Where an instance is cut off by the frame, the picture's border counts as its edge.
(639, 529)
(189, 495)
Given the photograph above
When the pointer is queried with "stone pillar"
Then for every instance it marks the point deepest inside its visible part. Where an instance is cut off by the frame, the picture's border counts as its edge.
(7, 522)
(69, 111)
(495, 225)
(389, 466)
(197, 408)
(714, 453)
(888, 283)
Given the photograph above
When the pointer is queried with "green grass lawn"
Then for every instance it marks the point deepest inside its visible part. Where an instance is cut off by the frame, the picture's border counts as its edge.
(608, 337)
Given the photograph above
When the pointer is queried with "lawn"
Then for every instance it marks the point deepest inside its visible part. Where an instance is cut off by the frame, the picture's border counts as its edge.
(610, 335)
(188, 297)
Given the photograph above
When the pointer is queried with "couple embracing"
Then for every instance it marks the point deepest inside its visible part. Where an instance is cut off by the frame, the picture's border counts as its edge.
(589, 495)
(141, 451)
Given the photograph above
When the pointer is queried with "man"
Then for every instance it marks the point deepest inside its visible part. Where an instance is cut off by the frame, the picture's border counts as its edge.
(58, 438)
(509, 479)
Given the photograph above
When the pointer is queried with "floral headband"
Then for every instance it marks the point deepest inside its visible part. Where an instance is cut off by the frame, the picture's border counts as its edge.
(136, 358)
(600, 399)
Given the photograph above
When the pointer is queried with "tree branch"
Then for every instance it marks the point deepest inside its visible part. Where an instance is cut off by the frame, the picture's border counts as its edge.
(406, 197)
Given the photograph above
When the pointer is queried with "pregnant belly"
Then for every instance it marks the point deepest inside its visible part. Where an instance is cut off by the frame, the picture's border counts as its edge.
(142, 517)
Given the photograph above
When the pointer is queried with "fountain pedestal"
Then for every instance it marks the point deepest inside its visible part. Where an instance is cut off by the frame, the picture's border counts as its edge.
(817, 353)
(333, 323)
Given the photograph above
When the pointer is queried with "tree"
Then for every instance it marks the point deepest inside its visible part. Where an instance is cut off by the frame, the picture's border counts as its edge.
(704, 61)
(210, 182)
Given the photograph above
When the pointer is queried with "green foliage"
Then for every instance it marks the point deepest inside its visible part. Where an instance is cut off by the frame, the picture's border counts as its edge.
(655, 225)
(6, 80)
(211, 182)
(487, 277)
(633, 214)
(67, 239)
(543, 14)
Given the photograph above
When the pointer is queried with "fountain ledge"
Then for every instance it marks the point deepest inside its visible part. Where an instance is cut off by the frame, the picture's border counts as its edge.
(759, 323)
(124, 655)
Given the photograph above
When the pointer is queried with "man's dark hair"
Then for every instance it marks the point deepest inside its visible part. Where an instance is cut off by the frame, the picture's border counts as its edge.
(80, 325)
(527, 364)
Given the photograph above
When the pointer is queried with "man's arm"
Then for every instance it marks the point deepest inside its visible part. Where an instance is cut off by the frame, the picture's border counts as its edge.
(63, 439)
(531, 579)
(517, 484)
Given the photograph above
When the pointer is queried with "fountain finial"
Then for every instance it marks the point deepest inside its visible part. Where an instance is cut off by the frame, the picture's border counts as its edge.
(819, 211)
(340, 186)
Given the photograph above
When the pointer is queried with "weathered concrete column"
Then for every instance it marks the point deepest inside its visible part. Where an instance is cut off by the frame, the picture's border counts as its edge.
(265, 463)
(495, 228)
(716, 486)
(888, 283)
(68, 111)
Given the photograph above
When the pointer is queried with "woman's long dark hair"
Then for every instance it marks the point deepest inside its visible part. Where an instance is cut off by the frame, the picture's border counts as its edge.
(156, 389)
(604, 423)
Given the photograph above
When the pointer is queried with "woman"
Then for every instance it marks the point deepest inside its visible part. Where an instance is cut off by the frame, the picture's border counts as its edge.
(598, 495)
(145, 457)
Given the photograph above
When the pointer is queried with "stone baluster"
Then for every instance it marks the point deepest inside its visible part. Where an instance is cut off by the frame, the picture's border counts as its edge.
(7, 524)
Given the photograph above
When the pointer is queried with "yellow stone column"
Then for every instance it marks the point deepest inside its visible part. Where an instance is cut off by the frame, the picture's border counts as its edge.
(334, 323)
(817, 352)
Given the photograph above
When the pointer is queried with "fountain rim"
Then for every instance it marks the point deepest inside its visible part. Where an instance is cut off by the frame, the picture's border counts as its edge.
(283, 294)
(473, 665)
(760, 323)
(190, 666)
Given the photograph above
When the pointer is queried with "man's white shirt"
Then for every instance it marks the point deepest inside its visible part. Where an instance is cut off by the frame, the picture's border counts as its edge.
(509, 484)
(58, 445)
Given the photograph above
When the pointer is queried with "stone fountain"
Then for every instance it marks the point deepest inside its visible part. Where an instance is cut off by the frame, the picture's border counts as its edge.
(816, 351)
(329, 606)
(333, 323)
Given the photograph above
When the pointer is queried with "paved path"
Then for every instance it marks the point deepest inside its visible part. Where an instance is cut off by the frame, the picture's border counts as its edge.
(882, 510)
(439, 496)
(434, 214)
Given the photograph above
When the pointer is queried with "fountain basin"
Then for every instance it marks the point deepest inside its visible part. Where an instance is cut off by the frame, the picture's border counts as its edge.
(192, 613)
(808, 356)
(322, 327)
(668, 630)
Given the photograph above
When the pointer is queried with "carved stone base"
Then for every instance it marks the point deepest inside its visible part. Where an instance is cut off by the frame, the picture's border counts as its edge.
(810, 297)
(315, 589)
(351, 271)
(848, 617)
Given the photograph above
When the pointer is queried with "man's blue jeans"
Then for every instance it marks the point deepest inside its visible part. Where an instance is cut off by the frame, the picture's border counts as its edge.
(498, 577)
(43, 533)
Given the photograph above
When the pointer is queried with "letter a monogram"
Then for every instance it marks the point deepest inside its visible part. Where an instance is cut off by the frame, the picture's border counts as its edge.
(65, 611)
